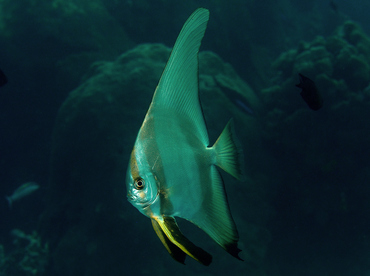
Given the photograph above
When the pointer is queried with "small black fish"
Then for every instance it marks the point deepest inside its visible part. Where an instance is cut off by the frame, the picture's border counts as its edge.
(240, 101)
(333, 6)
(310, 93)
(3, 78)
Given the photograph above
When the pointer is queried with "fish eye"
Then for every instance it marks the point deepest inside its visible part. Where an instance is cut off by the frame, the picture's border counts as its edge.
(139, 184)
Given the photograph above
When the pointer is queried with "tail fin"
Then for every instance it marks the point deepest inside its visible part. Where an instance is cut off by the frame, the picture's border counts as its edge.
(229, 155)
(9, 202)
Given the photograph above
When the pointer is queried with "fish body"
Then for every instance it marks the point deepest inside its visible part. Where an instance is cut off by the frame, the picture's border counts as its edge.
(240, 101)
(3, 78)
(21, 192)
(310, 93)
(172, 170)
(243, 106)
(333, 6)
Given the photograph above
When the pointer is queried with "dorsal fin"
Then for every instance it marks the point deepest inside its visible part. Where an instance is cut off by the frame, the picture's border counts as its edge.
(178, 87)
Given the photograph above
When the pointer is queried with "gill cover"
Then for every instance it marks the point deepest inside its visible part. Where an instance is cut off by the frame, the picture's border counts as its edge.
(142, 187)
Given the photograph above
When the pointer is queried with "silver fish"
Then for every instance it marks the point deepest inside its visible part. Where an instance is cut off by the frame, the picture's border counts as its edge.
(21, 192)
(172, 170)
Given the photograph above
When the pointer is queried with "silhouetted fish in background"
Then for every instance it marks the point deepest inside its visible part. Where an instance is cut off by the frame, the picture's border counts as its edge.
(22, 191)
(333, 6)
(3, 78)
(240, 101)
(310, 93)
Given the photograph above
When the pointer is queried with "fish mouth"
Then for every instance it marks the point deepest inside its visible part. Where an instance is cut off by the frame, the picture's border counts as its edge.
(130, 197)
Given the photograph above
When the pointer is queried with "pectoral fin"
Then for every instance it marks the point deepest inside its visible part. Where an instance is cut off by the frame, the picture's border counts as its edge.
(169, 233)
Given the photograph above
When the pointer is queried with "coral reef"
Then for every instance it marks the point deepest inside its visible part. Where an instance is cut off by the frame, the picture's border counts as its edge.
(321, 153)
(28, 257)
(339, 64)
(340, 67)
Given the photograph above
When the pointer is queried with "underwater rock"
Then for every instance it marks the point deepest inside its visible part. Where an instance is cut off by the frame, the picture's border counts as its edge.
(340, 67)
(69, 26)
(63, 37)
(87, 212)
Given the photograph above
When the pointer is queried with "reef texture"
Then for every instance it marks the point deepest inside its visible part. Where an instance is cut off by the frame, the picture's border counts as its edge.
(340, 67)
(339, 64)
(28, 257)
(322, 154)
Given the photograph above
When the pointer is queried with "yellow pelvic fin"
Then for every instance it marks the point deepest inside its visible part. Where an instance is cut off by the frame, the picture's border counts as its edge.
(175, 252)
(174, 238)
